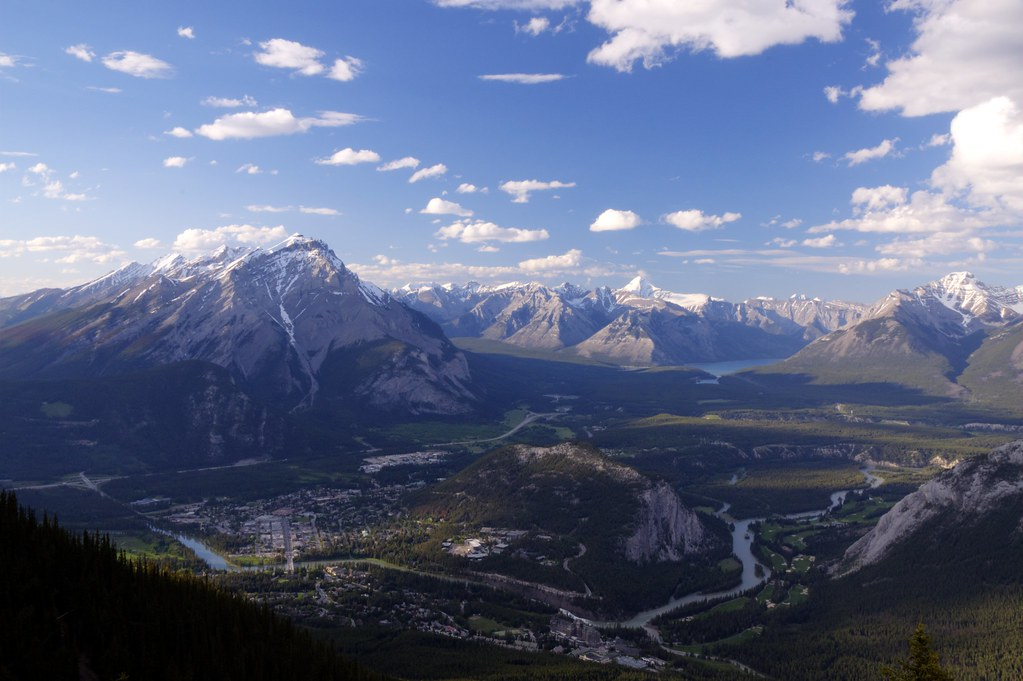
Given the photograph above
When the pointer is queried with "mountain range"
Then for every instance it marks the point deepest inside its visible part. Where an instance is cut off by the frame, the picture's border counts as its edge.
(954, 337)
(291, 324)
(638, 324)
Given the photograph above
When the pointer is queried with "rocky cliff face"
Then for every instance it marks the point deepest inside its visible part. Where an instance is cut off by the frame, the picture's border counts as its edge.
(969, 491)
(666, 529)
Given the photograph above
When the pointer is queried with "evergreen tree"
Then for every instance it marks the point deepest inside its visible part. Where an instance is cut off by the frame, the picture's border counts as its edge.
(923, 663)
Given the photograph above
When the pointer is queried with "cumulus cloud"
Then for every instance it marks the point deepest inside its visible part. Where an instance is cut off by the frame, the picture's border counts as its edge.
(524, 78)
(965, 52)
(651, 32)
(987, 156)
(179, 132)
(612, 220)
(697, 220)
(438, 206)
(480, 231)
(287, 54)
(175, 162)
(879, 198)
(186, 32)
(4, 167)
(138, 65)
(318, 211)
(267, 208)
(81, 51)
(148, 244)
(521, 189)
(468, 188)
(250, 125)
(570, 260)
(249, 169)
(192, 240)
(349, 157)
(229, 102)
(534, 26)
(855, 158)
(345, 69)
(938, 243)
(821, 242)
(509, 4)
(427, 173)
(407, 162)
(68, 249)
(819, 156)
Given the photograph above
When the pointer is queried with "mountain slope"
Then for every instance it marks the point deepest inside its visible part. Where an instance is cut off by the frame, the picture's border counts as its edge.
(639, 324)
(274, 318)
(921, 338)
(571, 502)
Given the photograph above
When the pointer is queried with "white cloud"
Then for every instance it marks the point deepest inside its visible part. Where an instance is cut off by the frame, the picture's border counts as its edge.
(966, 52)
(175, 162)
(39, 169)
(4, 167)
(922, 212)
(879, 198)
(245, 235)
(939, 243)
(18, 154)
(938, 140)
(819, 156)
(570, 260)
(249, 169)
(149, 243)
(487, 248)
(81, 51)
(349, 157)
(250, 125)
(833, 93)
(467, 188)
(107, 90)
(697, 220)
(345, 69)
(480, 231)
(179, 132)
(186, 32)
(427, 173)
(407, 162)
(859, 156)
(879, 265)
(534, 26)
(521, 189)
(438, 206)
(318, 211)
(524, 78)
(612, 220)
(138, 65)
(287, 54)
(509, 4)
(821, 242)
(987, 156)
(652, 31)
(229, 102)
(873, 59)
(75, 248)
(266, 208)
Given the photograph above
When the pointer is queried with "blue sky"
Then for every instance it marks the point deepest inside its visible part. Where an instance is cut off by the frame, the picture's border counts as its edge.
(839, 149)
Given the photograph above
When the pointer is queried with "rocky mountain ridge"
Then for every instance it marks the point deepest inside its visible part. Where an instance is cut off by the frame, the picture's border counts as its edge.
(968, 492)
(638, 324)
(290, 322)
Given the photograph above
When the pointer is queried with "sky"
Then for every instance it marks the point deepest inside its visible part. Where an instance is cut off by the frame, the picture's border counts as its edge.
(768, 147)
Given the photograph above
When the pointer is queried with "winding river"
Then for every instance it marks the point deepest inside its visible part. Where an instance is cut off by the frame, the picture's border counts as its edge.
(742, 548)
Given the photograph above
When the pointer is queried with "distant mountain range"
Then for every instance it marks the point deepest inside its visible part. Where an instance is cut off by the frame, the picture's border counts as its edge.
(954, 337)
(291, 324)
(638, 324)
